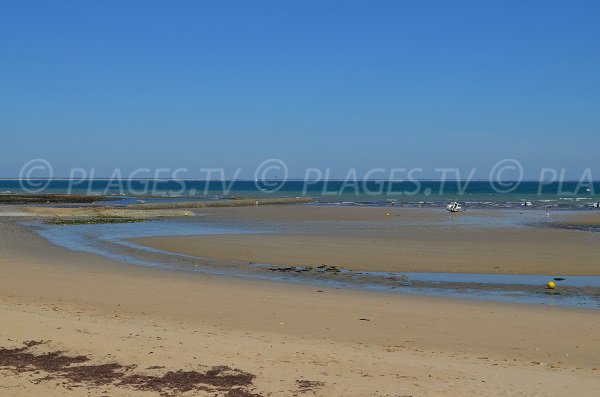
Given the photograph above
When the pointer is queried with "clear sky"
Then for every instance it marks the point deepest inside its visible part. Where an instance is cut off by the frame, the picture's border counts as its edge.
(335, 84)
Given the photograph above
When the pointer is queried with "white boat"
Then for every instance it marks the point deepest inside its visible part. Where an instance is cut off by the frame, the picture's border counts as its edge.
(588, 190)
(526, 204)
(596, 205)
(454, 207)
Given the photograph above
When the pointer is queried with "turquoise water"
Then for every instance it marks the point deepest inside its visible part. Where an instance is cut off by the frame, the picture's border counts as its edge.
(424, 193)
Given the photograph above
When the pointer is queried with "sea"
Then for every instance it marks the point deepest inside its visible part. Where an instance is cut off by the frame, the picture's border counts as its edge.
(424, 193)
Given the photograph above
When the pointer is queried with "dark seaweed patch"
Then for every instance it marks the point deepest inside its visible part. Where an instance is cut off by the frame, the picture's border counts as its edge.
(76, 370)
(306, 386)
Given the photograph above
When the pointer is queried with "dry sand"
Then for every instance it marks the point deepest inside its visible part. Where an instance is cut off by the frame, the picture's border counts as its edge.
(367, 239)
(355, 343)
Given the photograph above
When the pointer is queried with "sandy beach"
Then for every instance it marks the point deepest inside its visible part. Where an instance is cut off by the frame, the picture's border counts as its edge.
(283, 339)
(398, 240)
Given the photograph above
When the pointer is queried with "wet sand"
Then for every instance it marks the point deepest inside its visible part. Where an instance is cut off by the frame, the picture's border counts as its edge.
(334, 342)
(406, 240)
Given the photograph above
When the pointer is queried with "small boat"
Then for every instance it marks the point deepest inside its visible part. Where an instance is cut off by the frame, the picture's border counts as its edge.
(588, 190)
(454, 207)
(596, 205)
(140, 202)
(526, 204)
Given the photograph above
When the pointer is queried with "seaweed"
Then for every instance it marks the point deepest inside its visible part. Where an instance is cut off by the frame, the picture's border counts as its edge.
(77, 370)
(101, 219)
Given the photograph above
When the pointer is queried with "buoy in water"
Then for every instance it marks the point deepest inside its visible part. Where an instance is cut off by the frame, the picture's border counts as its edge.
(551, 285)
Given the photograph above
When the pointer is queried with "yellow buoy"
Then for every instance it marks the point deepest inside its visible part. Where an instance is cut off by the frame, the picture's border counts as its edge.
(551, 285)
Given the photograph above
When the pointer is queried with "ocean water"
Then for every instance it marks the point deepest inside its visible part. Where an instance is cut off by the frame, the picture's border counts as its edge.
(414, 193)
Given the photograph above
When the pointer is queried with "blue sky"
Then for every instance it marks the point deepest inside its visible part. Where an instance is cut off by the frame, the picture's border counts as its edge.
(336, 84)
